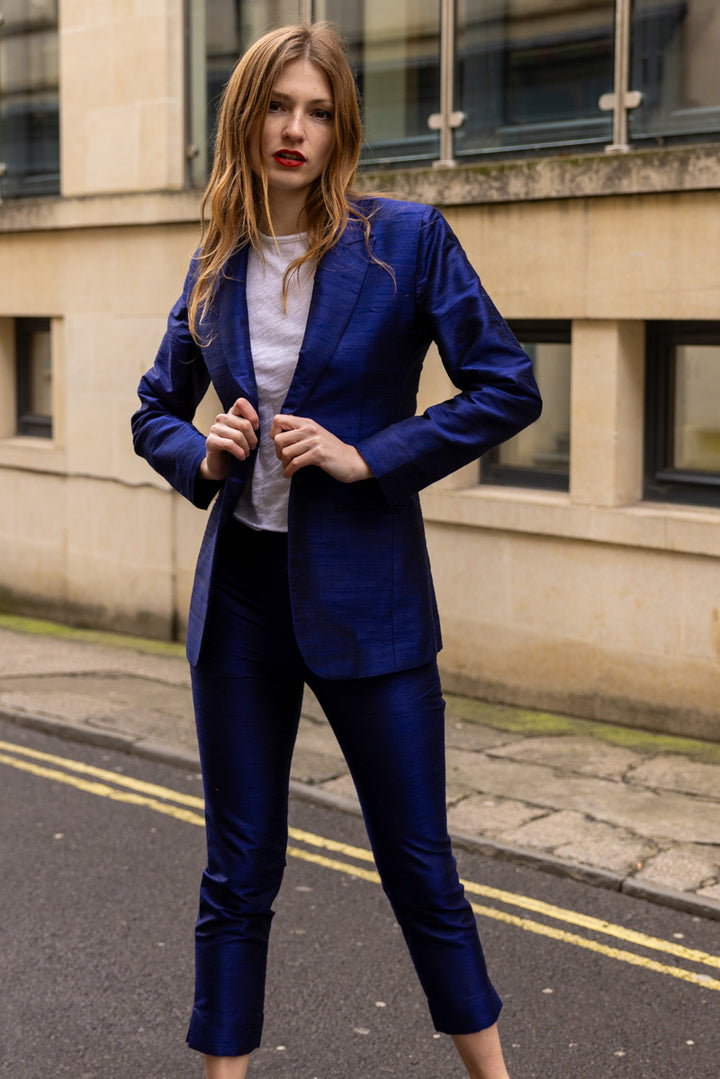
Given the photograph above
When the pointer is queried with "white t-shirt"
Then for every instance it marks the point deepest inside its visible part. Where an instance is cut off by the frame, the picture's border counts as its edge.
(276, 336)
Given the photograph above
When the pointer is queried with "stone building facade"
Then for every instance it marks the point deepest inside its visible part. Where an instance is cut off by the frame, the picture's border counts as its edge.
(578, 568)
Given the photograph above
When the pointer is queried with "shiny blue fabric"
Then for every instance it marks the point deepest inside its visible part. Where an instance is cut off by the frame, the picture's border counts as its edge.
(247, 690)
(362, 596)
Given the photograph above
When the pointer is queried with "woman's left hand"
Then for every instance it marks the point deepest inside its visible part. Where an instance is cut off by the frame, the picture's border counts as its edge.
(300, 442)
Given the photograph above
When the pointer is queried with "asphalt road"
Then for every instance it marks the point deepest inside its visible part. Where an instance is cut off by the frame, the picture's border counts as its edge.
(98, 885)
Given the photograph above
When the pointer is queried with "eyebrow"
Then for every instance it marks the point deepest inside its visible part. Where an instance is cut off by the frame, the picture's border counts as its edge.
(316, 101)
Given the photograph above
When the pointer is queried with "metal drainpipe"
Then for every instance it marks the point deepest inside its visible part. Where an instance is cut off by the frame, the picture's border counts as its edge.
(621, 99)
(3, 167)
(306, 12)
(448, 119)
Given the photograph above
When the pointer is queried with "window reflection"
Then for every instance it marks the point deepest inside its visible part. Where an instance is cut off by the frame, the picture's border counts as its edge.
(696, 422)
(674, 64)
(394, 51)
(540, 455)
(528, 74)
(29, 92)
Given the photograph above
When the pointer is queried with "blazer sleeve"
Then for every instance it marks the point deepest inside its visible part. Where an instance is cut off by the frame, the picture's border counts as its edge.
(162, 428)
(498, 394)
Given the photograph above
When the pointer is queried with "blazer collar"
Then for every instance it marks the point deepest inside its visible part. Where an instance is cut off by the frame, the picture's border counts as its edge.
(338, 281)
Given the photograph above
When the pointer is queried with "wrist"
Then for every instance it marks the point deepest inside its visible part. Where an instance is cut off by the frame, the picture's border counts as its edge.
(205, 473)
(362, 469)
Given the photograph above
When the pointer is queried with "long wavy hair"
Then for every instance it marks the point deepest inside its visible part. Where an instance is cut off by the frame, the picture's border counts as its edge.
(236, 199)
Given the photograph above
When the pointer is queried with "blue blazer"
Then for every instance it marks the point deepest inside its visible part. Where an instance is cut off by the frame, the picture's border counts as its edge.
(362, 594)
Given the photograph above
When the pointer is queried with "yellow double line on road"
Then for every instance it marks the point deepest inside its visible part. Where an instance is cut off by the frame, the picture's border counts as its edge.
(189, 809)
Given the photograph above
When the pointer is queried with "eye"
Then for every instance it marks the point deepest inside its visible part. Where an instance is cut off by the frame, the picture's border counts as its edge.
(275, 106)
(323, 114)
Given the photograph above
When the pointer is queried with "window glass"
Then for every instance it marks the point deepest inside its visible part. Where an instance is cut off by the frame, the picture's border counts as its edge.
(29, 92)
(394, 52)
(696, 434)
(682, 423)
(528, 74)
(675, 66)
(540, 455)
(232, 25)
(217, 37)
(34, 376)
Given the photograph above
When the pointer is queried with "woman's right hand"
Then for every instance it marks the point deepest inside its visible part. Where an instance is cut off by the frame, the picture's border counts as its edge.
(232, 433)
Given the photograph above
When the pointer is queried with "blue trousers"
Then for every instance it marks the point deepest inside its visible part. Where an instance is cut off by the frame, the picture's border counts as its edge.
(247, 691)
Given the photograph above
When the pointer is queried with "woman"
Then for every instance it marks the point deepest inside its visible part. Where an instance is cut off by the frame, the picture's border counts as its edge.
(311, 309)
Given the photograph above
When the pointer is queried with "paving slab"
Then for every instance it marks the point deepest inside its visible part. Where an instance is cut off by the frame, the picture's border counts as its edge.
(479, 816)
(686, 868)
(585, 756)
(571, 835)
(640, 810)
(671, 772)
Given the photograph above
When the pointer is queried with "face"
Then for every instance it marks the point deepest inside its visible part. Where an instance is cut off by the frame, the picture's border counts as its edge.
(298, 133)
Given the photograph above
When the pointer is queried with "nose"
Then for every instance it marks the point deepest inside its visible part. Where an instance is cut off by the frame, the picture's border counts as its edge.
(294, 127)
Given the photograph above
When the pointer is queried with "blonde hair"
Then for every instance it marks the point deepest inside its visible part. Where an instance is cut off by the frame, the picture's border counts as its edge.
(236, 198)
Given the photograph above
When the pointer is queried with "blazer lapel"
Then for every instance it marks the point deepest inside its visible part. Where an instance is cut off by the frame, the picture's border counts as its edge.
(228, 357)
(338, 281)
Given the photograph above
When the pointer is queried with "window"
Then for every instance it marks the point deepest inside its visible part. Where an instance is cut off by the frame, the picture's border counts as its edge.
(395, 54)
(526, 76)
(218, 32)
(33, 361)
(540, 455)
(674, 64)
(682, 452)
(29, 93)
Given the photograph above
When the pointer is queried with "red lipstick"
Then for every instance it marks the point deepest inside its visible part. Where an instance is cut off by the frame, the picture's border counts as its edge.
(290, 159)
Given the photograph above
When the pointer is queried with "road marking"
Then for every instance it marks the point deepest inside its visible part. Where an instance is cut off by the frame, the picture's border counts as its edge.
(584, 921)
(104, 773)
(103, 791)
(181, 806)
(532, 926)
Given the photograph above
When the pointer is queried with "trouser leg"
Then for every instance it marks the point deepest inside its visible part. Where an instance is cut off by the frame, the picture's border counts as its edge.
(246, 775)
(247, 692)
(391, 731)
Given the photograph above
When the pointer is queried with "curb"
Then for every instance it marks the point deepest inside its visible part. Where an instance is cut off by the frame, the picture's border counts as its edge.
(166, 753)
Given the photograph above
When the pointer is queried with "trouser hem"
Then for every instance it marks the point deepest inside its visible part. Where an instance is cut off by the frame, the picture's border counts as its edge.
(475, 1016)
(204, 1041)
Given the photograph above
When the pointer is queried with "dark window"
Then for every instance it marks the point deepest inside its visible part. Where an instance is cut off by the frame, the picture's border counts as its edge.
(674, 64)
(34, 377)
(540, 455)
(682, 428)
(528, 77)
(29, 95)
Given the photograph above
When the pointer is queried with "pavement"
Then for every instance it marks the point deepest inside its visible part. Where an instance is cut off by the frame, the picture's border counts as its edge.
(615, 806)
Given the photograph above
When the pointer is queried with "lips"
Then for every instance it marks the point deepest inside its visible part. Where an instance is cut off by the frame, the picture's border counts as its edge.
(290, 159)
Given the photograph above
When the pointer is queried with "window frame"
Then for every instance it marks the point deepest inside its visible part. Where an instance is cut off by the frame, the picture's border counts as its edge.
(492, 472)
(662, 481)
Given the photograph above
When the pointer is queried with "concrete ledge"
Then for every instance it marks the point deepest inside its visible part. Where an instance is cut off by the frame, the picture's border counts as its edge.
(560, 176)
(655, 526)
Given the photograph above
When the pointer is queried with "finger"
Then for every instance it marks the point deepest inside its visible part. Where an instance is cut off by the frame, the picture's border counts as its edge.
(231, 425)
(283, 422)
(243, 408)
(231, 434)
(217, 444)
(292, 463)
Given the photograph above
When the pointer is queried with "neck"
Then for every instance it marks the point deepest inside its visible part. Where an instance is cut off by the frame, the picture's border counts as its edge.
(287, 215)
